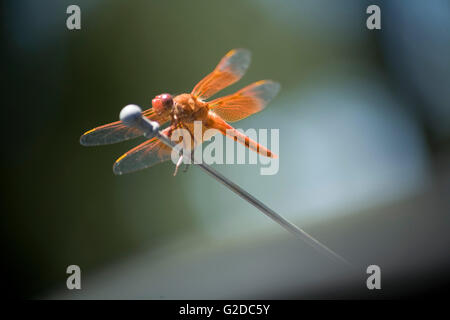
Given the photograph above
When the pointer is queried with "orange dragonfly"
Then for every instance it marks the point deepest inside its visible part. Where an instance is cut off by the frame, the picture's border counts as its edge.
(182, 110)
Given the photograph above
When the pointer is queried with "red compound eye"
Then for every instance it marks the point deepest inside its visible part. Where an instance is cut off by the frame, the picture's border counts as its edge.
(162, 103)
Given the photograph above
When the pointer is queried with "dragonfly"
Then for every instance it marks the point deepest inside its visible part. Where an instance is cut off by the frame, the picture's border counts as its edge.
(181, 111)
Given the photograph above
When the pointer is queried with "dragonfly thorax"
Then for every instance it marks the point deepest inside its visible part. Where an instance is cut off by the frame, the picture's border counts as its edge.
(188, 108)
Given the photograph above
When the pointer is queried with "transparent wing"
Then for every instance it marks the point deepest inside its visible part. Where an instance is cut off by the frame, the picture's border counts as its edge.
(116, 131)
(145, 155)
(245, 102)
(229, 70)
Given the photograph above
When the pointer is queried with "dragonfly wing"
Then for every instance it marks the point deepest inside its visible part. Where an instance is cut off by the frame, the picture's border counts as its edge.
(145, 155)
(245, 102)
(108, 134)
(116, 131)
(229, 70)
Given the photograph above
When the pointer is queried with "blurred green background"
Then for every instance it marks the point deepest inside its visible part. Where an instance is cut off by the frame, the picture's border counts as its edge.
(364, 121)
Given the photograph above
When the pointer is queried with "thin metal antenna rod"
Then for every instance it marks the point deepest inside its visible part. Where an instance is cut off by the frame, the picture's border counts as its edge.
(131, 116)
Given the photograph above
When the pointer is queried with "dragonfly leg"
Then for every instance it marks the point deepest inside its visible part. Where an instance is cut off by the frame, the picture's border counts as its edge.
(180, 160)
(193, 138)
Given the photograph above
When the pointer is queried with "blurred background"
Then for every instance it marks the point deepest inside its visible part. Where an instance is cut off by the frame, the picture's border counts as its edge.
(364, 120)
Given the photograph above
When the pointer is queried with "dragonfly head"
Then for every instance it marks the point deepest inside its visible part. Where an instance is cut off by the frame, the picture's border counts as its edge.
(162, 103)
